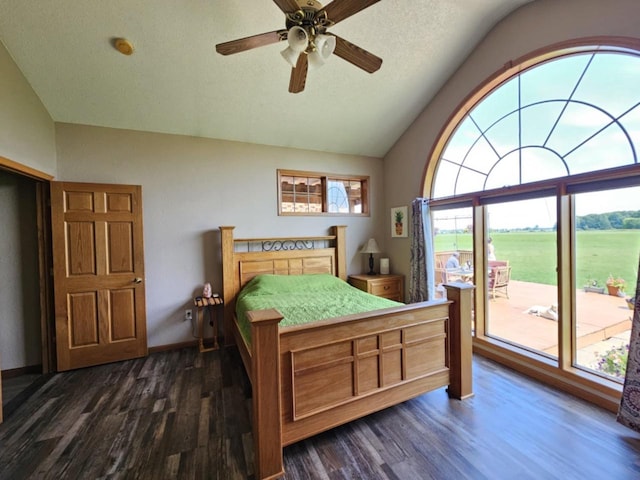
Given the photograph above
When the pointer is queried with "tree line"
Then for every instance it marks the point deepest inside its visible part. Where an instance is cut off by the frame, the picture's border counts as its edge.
(624, 219)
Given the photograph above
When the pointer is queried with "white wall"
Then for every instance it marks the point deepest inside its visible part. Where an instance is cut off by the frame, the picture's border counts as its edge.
(193, 185)
(27, 134)
(529, 28)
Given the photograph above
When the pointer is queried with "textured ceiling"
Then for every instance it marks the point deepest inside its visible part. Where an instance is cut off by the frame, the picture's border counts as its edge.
(175, 82)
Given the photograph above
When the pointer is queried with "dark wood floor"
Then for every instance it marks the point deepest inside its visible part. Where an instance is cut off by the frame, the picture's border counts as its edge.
(185, 415)
(15, 390)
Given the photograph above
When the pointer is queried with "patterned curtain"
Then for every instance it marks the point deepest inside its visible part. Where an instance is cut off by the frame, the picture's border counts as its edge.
(421, 283)
(629, 411)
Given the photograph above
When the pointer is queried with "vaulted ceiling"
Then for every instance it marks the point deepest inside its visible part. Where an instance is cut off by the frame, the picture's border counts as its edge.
(175, 82)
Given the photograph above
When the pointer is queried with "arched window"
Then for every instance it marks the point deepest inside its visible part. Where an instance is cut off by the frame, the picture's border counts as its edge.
(539, 167)
(569, 115)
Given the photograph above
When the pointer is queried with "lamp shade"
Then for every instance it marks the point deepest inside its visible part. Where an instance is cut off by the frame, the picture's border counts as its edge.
(290, 55)
(315, 59)
(298, 39)
(370, 247)
(325, 45)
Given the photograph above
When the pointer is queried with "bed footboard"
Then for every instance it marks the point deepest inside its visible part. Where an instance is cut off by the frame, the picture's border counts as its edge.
(339, 370)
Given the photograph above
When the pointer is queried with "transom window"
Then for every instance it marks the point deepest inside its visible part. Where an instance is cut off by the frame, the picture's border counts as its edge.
(570, 115)
(310, 193)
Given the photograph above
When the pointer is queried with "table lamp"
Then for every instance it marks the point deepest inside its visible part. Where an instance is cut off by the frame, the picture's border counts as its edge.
(370, 247)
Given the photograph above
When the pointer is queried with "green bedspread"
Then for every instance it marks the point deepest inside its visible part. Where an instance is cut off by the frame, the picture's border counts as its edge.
(303, 299)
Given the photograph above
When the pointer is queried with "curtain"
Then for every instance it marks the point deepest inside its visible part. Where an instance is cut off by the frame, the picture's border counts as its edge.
(629, 411)
(421, 283)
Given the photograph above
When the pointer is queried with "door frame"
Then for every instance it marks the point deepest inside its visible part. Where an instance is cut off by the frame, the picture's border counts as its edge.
(45, 265)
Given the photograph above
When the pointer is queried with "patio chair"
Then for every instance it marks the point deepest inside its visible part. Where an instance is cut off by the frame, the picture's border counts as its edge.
(499, 277)
(443, 275)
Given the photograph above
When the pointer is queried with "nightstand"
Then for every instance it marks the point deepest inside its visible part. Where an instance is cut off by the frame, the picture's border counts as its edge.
(387, 286)
(210, 304)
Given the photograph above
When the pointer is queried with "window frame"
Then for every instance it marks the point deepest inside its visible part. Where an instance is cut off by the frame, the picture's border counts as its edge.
(561, 372)
(511, 69)
(325, 178)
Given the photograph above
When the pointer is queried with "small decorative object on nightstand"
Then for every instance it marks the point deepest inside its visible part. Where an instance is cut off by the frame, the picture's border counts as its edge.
(371, 247)
(387, 286)
(384, 266)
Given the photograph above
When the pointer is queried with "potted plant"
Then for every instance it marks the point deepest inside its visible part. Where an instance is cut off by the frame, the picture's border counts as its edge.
(631, 302)
(399, 217)
(615, 286)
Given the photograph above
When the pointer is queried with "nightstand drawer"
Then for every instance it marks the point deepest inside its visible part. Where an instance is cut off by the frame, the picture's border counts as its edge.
(385, 288)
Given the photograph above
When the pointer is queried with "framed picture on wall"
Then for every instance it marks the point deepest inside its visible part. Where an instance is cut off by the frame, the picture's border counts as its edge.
(399, 225)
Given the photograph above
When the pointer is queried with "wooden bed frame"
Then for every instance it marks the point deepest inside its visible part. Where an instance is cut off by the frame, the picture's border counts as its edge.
(310, 378)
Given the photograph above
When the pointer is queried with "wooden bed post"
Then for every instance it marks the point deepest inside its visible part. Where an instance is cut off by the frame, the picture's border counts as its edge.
(340, 232)
(228, 281)
(460, 341)
(267, 419)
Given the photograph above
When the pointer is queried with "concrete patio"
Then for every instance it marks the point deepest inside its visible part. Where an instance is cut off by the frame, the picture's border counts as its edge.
(600, 317)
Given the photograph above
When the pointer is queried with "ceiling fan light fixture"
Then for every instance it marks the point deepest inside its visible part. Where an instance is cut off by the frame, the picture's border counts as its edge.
(306, 24)
(325, 45)
(298, 39)
(290, 55)
(315, 59)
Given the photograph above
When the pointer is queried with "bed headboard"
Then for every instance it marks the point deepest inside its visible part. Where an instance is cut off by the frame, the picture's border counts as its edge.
(244, 258)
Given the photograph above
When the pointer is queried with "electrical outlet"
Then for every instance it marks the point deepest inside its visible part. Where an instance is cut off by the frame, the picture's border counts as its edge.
(188, 315)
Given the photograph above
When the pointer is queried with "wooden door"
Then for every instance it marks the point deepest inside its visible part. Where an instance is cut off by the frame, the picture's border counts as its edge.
(98, 273)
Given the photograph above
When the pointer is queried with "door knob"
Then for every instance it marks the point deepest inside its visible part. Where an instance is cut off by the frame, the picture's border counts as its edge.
(137, 280)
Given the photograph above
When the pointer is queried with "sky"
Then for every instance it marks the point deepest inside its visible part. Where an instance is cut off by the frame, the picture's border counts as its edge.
(541, 212)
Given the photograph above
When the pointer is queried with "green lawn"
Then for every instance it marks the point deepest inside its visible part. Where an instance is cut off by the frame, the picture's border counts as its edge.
(532, 255)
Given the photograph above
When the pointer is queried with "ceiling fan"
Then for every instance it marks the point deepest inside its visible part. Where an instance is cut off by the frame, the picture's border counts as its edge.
(309, 43)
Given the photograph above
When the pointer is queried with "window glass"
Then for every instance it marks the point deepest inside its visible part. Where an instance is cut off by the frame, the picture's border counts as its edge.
(317, 194)
(338, 196)
(453, 234)
(355, 196)
(607, 249)
(522, 283)
(562, 112)
(553, 80)
(499, 103)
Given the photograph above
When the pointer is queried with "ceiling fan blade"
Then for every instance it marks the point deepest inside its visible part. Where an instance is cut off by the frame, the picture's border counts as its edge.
(247, 43)
(356, 55)
(299, 75)
(338, 10)
(287, 6)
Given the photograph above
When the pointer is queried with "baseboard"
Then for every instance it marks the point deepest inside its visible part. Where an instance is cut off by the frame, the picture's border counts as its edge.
(173, 346)
(17, 372)
(177, 346)
(30, 369)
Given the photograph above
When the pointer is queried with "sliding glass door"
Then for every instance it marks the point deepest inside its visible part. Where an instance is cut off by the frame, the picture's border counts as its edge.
(522, 286)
